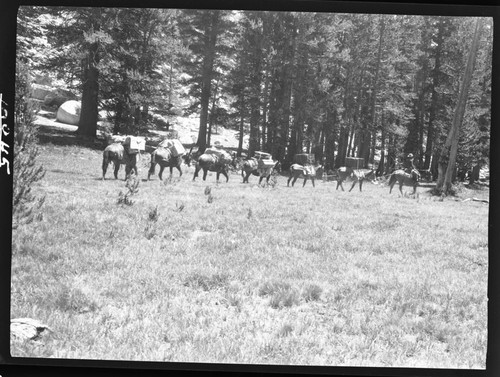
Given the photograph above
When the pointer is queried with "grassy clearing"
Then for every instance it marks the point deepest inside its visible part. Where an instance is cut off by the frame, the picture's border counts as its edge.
(247, 274)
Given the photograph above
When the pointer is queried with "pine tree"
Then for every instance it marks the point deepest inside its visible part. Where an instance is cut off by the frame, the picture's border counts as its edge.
(449, 151)
(26, 170)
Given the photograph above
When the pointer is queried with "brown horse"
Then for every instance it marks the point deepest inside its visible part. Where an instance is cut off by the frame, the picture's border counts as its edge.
(251, 167)
(404, 178)
(212, 162)
(298, 171)
(118, 155)
(357, 175)
(164, 158)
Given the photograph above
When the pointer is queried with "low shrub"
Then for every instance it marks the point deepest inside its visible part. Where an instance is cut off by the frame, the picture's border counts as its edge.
(312, 292)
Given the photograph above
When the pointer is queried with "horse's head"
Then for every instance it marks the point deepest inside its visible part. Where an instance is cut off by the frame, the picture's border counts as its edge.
(277, 167)
(372, 176)
(191, 156)
(234, 160)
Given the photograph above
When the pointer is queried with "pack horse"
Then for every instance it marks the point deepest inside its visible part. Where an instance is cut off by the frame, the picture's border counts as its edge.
(303, 167)
(357, 176)
(261, 165)
(123, 151)
(300, 171)
(168, 154)
(216, 160)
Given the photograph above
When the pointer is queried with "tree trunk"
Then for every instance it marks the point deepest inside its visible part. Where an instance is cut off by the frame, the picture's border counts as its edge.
(210, 40)
(380, 168)
(450, 149)
(87, 126)
(242, 124)
(264, 131)
(212, 113)
(329, 139)
(433, 111)
(474, 173)
(343, 143)
(434, 164)
(391, 154)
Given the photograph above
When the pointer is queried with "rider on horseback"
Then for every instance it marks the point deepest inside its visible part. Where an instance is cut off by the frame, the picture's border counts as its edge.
(409, 166)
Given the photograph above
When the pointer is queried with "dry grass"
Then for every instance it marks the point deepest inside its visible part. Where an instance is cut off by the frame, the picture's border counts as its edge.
(251, 276)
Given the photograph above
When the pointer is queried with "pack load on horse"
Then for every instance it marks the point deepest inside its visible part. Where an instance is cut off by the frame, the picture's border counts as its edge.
(168, 154)
(222, 156)
(354, 170)
(403, 178)
(123, 150)
(115, 139)
(261, 165)
(174, 145)
(134, 144)
(214, 159)
(303, 168)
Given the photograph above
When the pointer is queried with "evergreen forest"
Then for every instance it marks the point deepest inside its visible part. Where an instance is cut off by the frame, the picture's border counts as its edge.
(336, 85)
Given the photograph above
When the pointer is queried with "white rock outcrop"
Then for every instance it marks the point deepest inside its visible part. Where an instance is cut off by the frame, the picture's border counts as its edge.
(69, 112)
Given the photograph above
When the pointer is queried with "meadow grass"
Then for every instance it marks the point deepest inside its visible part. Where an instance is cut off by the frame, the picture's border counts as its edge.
(249, 274)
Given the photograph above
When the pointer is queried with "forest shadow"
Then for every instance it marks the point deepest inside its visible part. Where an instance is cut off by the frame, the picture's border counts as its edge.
(62, 137)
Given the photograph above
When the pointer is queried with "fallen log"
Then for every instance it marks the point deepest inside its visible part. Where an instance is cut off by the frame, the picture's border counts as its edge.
(476, 200)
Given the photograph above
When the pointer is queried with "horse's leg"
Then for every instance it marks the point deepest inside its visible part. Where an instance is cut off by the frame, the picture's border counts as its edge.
(224, 173)
(196, 170)
(305, 180)
(339, 183)
(294, 179)
(353, 184)
(105, 163)
(160, 174)
(261, 178)
(151, 169)
(312, 181)
(289, 179)
(360, 184)
(135, 166)
(401, 187)
(391, 185)
(205, 171)
(117, 168)
(127, 171)
(180, 170)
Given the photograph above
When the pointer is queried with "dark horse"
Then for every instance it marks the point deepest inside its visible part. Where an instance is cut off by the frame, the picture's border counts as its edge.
(165, 158)
(404, 178)
(357, 175)
(118, 155)
(298, 171)
(251, 167)
(212, 162)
